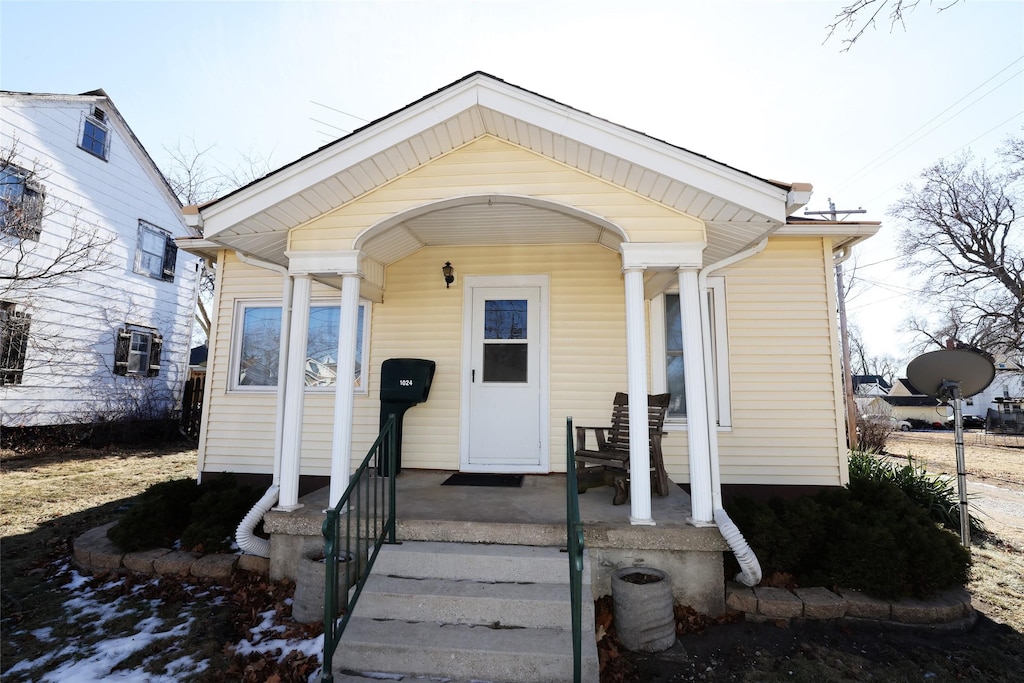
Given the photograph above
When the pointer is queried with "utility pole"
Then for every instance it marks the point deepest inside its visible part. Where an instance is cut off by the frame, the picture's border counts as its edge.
(844, 336)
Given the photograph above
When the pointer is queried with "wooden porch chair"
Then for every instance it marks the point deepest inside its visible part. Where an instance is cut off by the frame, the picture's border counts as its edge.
(612, 447)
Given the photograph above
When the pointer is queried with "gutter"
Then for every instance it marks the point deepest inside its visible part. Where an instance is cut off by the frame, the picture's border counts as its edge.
(247, 541)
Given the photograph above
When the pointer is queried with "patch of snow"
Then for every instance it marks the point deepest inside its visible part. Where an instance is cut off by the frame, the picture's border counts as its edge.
(100, 655)
(43, 635)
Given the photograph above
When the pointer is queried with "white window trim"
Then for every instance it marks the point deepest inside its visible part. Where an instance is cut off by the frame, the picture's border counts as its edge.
(242, 305)
(91, 117)
(720, 362)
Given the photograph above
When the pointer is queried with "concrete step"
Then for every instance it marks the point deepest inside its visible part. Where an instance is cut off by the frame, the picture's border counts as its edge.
(459, 651)
(470, 612)
(529, 605)
(498, 563)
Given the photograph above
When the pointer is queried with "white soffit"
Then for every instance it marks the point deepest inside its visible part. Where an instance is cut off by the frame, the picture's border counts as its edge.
(738, 208)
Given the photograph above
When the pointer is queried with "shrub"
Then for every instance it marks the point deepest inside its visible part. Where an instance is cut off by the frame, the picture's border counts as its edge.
(872, 435)
(203, 517)
(936, 494)
(869, 536)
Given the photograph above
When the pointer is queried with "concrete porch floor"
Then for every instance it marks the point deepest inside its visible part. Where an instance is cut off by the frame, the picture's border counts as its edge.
(533, 514)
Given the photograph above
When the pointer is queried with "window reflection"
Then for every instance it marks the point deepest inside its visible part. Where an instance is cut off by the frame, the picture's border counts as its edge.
(261, 338)
(505, 319)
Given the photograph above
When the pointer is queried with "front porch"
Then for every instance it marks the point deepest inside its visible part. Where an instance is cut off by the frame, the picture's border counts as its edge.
(534, 515)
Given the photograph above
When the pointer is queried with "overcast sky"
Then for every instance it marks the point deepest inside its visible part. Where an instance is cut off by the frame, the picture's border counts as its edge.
(750, 84)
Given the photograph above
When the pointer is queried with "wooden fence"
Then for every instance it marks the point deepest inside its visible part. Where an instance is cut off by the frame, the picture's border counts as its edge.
(192, 406)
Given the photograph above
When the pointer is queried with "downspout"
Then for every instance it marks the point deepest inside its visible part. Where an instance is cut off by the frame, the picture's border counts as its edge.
(750, 574)
(248, 541)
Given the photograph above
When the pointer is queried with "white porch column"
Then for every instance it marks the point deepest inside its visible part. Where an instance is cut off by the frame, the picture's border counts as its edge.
(636, 366)
(282, 373)
(344, 399)
(295, 394)
(696, 400)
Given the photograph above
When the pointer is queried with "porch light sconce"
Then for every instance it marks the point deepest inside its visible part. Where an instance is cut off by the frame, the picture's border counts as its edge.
(449, 274)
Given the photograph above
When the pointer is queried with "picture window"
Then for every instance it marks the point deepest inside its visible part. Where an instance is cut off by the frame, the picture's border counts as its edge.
(257, 346)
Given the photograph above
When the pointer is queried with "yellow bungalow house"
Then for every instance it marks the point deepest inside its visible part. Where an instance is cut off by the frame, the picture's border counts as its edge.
(632, 265)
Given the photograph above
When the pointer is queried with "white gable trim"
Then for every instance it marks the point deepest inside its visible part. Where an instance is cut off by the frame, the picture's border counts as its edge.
(758, 196)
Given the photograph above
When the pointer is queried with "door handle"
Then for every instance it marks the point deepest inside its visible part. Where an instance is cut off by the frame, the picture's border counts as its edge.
(472, 374)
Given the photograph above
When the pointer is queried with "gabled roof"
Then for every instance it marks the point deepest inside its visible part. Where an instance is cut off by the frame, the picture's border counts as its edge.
(911, 401)
(138, 150)
(738, 208)
(859, 380)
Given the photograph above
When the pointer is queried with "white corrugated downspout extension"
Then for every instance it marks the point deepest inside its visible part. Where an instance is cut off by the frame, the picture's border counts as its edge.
(751, 568)
(247, 541)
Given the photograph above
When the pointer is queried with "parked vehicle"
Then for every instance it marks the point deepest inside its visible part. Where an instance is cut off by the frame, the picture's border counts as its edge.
(888, 420)
(969, 422)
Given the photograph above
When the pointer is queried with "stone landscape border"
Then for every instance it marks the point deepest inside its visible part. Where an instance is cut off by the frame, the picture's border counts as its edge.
(93, 551)
(949, 610)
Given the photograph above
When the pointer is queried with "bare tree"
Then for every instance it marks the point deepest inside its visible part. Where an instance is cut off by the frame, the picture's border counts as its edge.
(34, 265)
(30, 264)
(196, 178)
(961, 233)
(860, 15)
(863, 362)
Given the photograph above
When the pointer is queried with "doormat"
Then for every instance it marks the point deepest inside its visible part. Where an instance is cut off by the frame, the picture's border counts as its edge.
(474, 479)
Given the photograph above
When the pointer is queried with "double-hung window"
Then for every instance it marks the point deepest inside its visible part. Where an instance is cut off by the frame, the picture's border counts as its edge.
(668, 353)
(14, 326)
(137, 351)
(95, 137)
(21, 203)
(256, 348)
(156, 254)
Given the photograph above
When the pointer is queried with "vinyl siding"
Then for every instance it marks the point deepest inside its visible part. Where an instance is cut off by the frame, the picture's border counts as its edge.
(419, 318)
(68, 376)
(782, 349)
(491, 165)
(782, 341)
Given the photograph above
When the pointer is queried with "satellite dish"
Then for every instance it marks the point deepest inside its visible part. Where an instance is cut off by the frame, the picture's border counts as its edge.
(951, 375)
(933, 372)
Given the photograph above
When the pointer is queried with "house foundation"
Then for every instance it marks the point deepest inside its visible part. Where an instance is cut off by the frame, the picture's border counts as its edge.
(533, 514)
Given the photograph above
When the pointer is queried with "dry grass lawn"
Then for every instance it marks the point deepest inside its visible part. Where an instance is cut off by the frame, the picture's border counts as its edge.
(39, 488)
(47, 500)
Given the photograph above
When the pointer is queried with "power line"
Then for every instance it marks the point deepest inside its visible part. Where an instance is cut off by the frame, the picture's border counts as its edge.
(343, 130)
(858, 266)
(958, 149)
(353, 116)
(872, 165)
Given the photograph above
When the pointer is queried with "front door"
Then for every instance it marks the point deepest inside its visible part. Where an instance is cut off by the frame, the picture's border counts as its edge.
(505, 427)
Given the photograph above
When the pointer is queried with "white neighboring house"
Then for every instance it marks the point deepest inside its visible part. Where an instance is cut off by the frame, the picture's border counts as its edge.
(96, 304)
(1008, 383)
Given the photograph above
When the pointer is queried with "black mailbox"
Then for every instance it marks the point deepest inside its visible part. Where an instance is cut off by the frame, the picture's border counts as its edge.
(404, 382)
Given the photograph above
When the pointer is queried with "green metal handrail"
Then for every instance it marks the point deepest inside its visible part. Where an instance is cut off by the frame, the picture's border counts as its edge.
(574, 538)
(371, 489)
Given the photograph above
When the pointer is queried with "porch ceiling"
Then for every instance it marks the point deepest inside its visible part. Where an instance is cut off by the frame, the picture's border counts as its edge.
(486, 222)
(737, 208)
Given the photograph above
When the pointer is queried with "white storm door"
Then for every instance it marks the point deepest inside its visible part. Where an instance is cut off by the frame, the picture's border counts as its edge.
(505, 419)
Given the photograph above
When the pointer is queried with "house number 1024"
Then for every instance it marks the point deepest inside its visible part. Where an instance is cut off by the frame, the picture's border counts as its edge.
(405, 382)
